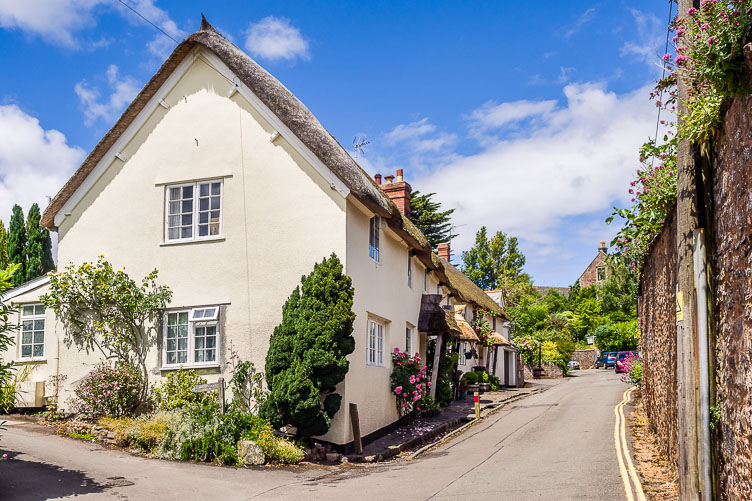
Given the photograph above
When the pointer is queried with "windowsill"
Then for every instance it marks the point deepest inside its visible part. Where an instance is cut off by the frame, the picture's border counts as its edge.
(211, 368)
(29, 361)
(375, 365)
(196, 241)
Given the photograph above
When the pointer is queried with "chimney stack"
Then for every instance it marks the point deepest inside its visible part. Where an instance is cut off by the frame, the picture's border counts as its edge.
(399, 191)
(377, 177)
(444, 252)
(602, 247)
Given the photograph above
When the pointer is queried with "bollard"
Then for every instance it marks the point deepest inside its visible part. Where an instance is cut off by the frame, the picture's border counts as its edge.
(477, 405)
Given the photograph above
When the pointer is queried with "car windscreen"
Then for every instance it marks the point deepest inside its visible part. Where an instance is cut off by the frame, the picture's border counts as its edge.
(622, 356)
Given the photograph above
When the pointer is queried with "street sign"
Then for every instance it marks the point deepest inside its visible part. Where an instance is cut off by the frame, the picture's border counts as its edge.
(200, 388)
(679, 306)
(219, 386)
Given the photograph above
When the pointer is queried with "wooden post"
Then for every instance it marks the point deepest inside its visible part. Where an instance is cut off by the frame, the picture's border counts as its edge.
(221, 383)
(355, 422)
(436, 359)
(686, 356)
(477, 404)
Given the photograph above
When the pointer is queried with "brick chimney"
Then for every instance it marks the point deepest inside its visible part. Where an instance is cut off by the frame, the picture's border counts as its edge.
(602, 247)
(399, 191)
(444, 252)
(377, 178)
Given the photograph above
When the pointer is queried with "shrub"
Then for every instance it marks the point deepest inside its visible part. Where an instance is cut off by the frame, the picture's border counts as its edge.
(617, 336)
(308, 351)
(144, 432)
(494, 381)
(409, 381)
(177, 390)
(471, 377)
(247, 385)
(199, 432)
(109, 391)
(633, 373)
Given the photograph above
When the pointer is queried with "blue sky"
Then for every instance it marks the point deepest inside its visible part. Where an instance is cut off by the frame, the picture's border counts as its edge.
(524, 116)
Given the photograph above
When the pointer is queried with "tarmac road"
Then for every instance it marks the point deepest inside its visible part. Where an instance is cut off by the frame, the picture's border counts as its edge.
(558, 444)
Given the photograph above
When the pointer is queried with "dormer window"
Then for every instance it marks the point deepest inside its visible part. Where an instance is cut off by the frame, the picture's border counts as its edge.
(194, 211)
(373, 238)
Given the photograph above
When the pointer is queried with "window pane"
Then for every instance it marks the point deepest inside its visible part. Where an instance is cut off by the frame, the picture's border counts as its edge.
(183, 317)
(171, 344)
(182, 357)
(203, 204)
(211, 342)
(215, 202)
(174, 193)
(171, 358)
(187, 219)
(26, 350)
(215, 215)
(203, 190)
(199, 342)
(187, 191)
(199, 356)
(187, 206)
(39, 337)
(216, 188)
(182, 331)
(203, 217)
(211, 355)
(38, 325)
(172, 318)
(28, 325)
(39, 350)
(210, 313)
(203, 231)
(39, 309)
(26, 338)
(28, 311)
(182, 344)
(173, 233)
(174, 208)
(186, 232)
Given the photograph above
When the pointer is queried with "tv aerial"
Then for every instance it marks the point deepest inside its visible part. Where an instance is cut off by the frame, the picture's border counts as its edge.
(358, 144)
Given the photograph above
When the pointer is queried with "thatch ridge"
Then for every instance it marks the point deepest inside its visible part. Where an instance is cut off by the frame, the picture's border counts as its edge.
(468, 291)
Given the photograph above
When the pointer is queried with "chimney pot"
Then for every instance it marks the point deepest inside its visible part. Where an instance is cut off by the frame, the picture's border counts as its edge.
(377, 177)
(602, 247)
(389, 178)
(444, 252)
(400, 178)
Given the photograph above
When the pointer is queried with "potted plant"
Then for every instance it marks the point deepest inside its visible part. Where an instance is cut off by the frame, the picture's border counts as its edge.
(484, 383)
(471, 381)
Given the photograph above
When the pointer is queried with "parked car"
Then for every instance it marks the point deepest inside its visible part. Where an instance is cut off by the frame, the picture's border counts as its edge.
(600, 362)
(610, 361)
(573, 365)
(619, 364)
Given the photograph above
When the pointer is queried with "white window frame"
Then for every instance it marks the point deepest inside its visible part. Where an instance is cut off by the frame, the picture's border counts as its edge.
(463, 354)
(194, 323)
(35, 317)
(409, 336)
(195, 213)
(374, 239)
(375, 343)
(598, 271)
(409, 269)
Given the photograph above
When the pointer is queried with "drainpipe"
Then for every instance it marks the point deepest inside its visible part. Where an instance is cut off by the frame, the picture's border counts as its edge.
(701, 285)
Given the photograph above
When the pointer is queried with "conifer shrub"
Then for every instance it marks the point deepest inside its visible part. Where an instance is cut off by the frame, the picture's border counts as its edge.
(308, 351)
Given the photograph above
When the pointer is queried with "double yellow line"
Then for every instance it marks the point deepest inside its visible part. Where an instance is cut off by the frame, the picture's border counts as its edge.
(622, 450)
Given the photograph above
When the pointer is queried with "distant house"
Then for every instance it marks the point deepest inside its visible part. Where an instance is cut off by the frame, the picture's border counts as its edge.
(543, 290)
(219, 177)
(596, 271)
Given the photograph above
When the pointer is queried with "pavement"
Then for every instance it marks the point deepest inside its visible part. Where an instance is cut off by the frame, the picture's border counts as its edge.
(558, 444)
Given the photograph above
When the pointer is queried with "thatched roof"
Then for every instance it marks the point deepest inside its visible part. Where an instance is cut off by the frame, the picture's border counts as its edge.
(271, 92)
(467, 333)
(500, 340)
(468, 291)
(436, 319)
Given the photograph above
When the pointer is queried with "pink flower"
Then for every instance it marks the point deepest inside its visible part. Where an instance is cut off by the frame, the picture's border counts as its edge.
(712, 40)
(396, 350)
(412, 379)
(397, 390)
(681, 60)
(692, 11)
(429, 384)
(666, 57)
(705, 27)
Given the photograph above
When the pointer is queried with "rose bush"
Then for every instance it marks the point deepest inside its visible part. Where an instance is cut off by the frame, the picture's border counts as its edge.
(109, 390)
(410, 383)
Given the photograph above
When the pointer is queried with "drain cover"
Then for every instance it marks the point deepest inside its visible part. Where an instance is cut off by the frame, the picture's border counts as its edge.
(118, 482)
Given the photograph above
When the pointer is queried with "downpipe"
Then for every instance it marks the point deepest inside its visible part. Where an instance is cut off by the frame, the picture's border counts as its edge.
(701, 286)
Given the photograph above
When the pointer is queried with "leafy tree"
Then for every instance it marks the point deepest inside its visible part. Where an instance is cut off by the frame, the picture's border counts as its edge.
(308, 351)
(17, 244)
(427, 215)
(4, 261)
(617, 336)
(104, 309)
(491, 260)
(7, 334)
(618, 292)
(38, 246)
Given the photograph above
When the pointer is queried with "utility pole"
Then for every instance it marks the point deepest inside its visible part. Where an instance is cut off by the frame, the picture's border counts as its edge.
(686, 345)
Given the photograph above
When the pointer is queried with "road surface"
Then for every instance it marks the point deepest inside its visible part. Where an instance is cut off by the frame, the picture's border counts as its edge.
(558, 444)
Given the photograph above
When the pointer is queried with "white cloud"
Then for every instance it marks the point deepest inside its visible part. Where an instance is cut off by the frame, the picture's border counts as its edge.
(578, 23)
(651, 36)
(420, 137)
(55, 21)
(59, 21)
(35, 164)
(123, 91)
(275, 38)
(575, 160)
(492, 115)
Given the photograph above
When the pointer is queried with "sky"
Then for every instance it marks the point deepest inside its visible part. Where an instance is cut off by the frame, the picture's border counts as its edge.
(525, 117)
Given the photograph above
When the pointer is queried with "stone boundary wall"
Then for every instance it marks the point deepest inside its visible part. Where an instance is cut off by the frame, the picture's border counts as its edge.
(657, 318)
(551, 371)
(586, 358)
(730, 255)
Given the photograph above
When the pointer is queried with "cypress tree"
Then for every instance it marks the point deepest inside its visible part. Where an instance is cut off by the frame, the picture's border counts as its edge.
(17, 244)
(38, 246)
(308, 351)
(435, 223)
(3, 247)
